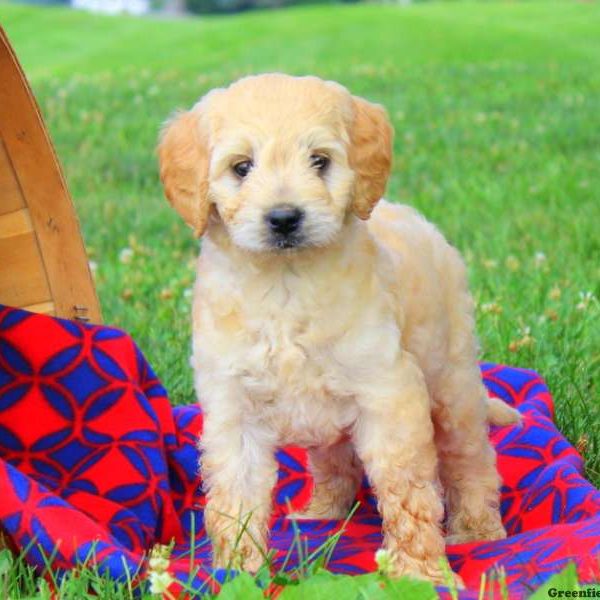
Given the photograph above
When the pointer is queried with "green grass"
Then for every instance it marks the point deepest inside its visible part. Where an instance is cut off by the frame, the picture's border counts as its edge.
(497, 112)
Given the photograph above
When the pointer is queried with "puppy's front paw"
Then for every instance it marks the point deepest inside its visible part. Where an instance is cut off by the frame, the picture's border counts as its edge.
(463, 532)
(242, 555)
(237, 543)
(402, 565)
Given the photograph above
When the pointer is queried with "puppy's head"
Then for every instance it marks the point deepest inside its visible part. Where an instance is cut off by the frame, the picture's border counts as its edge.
(280, 160)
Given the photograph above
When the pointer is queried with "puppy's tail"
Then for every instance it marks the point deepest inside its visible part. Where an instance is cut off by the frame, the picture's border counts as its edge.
(500, 413)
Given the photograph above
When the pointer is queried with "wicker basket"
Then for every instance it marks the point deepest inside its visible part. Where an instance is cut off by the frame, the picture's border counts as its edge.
(43, 263)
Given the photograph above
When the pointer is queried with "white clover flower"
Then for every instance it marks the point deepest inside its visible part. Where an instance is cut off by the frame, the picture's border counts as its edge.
(93, 266)
(512, 263)
(584, 300)
(554, 293)
(489, 263)
(491, 307)
(525, 341)
(126, 255)
(158, 563)
(384, 560)
(539, 259)
(160, 582)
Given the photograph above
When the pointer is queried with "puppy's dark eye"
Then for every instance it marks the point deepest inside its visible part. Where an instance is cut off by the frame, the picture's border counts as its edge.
(242, 168)
(319, 162)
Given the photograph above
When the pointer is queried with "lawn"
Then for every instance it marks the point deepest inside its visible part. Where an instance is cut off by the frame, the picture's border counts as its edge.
(497, 112)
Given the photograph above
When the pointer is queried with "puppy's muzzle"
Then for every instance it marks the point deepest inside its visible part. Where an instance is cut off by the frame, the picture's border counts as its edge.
(285, 223)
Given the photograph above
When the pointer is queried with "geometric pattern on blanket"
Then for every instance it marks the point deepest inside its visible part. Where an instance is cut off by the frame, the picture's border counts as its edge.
(94, 458)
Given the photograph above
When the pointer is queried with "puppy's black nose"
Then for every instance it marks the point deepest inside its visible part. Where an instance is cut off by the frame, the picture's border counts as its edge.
(284, 219)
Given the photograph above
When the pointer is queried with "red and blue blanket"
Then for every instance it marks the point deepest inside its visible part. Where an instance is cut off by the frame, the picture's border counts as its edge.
(94, 458)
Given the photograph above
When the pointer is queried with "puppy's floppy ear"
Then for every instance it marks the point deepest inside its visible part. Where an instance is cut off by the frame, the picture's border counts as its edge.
(183, 156)
(371, 136)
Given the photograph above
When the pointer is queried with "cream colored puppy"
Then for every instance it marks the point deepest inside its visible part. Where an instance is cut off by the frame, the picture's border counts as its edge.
(323, 320)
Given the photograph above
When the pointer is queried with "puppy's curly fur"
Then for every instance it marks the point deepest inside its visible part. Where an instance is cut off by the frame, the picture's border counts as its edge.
(327, 318)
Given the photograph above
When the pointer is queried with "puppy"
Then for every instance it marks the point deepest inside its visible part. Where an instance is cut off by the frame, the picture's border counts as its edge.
(327, 318)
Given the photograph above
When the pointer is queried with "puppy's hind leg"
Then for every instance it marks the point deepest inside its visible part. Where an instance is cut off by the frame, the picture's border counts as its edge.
(337, 473)
(467, 459)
